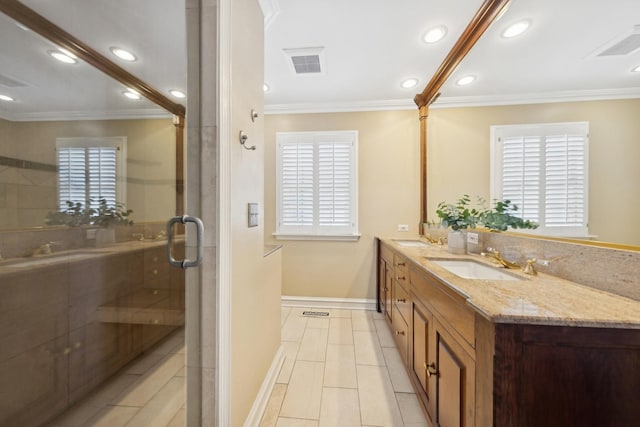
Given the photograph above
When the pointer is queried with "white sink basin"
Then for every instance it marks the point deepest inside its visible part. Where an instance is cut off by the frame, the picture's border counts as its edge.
(414, 243)
(469, 269)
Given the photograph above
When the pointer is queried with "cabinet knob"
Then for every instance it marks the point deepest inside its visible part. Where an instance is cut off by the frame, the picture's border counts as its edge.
(399, 332)
(155, 259)
(155, 272)
(386, 289)
(400, 278)
(400, 264)
(431, 369)
(401, 300)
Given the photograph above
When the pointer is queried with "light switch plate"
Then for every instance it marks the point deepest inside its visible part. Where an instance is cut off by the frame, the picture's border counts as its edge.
(403, 227)
(252, 216)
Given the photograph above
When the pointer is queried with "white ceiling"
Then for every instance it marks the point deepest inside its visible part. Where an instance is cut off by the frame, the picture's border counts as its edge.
(370, 46)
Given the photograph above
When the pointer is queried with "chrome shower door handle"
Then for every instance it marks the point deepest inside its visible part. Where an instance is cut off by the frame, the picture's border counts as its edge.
(185, 263)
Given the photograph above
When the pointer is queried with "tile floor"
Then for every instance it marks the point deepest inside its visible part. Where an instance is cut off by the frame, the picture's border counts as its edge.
(149, 392)
(341, 370)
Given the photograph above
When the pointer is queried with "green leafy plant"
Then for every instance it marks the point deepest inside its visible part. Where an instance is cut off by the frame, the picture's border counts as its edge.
(501, 217)
(76, 215)
(458, 216)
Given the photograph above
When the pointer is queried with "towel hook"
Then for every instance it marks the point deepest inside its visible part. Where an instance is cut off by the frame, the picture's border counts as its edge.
(243, 140)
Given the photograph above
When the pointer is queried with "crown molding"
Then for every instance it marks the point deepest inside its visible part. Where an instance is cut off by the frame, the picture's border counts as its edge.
(340, 107)
(61, 116)
(535, 98)
(270, 11)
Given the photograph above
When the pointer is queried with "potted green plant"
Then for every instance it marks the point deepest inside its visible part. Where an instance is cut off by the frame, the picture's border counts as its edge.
(458, 217)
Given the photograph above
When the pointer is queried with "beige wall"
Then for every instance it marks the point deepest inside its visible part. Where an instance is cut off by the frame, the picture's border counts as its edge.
(27, 195)
(255, 281)
(388, 162)
(458, 157)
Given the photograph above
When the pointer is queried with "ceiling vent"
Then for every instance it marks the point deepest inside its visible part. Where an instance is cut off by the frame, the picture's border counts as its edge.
(307, 60)
(10, 82)
(624, 44)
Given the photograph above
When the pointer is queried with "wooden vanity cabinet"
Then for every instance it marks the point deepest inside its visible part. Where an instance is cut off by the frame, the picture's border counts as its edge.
(385, 280)
(442, 365)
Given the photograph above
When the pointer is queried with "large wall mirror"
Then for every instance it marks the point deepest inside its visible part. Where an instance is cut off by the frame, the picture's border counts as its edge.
(48, 105)
(574, 63)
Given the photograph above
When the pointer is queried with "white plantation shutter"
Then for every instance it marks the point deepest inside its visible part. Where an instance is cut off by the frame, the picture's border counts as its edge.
(316, 184)
(90, 169)
(543, 170)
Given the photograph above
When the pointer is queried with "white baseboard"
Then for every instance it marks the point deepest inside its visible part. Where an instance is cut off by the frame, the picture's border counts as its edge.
(325, 302)
(260, 404)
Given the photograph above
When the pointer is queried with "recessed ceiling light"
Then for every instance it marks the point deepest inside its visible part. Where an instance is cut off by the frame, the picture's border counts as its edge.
(516, 29)
(22, 26)
(435, 34)
(6, 98)
(177, 93)
(123, 54)
(409, 83)
(62, 57)
(636, 70)
(66, 52)
(131, 94)
(266, 87)
(465, 80)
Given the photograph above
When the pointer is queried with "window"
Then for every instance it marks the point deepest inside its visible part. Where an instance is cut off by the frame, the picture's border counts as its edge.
(90, 169)
(543, 170)
(316, 185)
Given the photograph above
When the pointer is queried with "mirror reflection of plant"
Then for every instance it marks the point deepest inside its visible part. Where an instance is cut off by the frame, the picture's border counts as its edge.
(104, 215)
(459, 216)
(502, 216)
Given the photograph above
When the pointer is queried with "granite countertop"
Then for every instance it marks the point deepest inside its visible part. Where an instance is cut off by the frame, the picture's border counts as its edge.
(541, 299)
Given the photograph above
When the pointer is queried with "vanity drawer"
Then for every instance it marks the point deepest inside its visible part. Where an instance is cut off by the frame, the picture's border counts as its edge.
(400, 331)
(386, 254)
(402, 303)
(452, 307)
(401, 266)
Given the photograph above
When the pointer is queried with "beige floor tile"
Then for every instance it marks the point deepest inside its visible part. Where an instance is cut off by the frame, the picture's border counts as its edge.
(270, 416)
(367, 348)
(180, 420)
(318, 322)
(302, 399)
(410, 409)
(375, 315)
(113, 416)
(163, 407)
(77, 415)
(293, 422)
(397, 371)
(170, 345)
(151, 382)
(340, 331)
(290, 350)
(284, 313)
(313, 346)
(336, 312)
(293, 328)
(144, 362)
(384, 334)
(182, 372)
(362, 321)
(340, 367)
(340, 407)
(378, 404)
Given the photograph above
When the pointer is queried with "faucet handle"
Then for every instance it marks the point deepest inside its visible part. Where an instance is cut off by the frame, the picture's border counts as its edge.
(529, 268)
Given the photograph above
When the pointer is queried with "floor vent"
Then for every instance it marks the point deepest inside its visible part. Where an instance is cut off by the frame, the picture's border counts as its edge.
(316, 313)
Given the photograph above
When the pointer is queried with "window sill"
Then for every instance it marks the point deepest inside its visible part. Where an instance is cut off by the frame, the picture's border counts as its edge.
(325, 237)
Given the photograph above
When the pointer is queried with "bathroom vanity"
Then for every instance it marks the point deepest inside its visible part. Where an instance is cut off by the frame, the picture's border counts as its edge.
(511, 349)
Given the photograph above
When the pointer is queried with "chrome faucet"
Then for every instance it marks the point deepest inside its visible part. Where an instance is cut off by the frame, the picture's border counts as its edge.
(495, 255)
(438, 241)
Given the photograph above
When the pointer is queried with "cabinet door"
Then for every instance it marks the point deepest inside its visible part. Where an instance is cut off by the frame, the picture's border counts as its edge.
(422, 365)
(388, 287)
(382, 267)
(456, 382)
